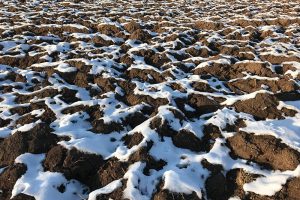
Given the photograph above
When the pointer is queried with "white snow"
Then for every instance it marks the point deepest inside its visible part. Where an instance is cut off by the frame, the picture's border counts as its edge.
(273, 183)
(105, 190)
(44, 185)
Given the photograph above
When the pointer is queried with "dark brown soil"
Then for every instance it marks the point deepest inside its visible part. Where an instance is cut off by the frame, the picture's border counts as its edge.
(203, 104)
(265, 150)
(187, 140)
(263, 106)
(110, 171)
(73, 164)
(132, 140)
(37, 140)
(8, 179)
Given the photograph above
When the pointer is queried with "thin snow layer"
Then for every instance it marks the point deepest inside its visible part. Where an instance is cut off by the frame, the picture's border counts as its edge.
(273, 183)
(176, 167)
(5, 132)
(294, 73)
(268, 185)
(134, 187)
(105, 190)
(43, 185)
(183, 181)
(2, 169)
(65, 68)
(287, 129)
(60, 47)
(233, 99)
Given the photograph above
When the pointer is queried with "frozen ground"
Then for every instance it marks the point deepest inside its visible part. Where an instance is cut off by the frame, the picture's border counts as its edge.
(149, 101)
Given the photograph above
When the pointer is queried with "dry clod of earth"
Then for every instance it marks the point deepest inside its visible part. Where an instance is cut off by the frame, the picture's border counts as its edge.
(265, 150)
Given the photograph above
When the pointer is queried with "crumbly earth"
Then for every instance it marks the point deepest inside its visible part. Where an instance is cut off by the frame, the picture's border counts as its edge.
(149, 100)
